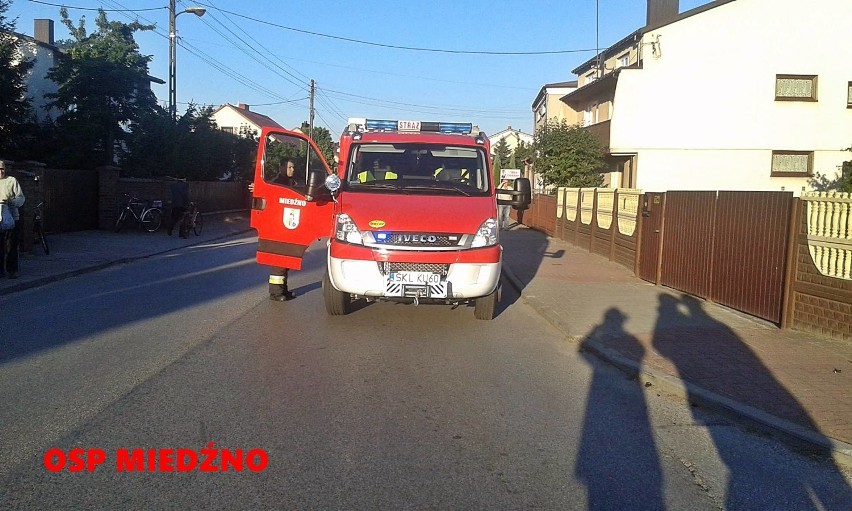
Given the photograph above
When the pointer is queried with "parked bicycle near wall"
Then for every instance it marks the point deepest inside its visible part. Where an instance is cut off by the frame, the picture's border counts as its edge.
(38, 228)
(147, 214)
(193, 220)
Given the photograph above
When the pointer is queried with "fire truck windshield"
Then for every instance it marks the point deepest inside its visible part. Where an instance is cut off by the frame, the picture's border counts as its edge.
(417, 168)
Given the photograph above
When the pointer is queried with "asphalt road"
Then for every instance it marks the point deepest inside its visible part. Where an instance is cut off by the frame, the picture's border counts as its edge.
(390, 407)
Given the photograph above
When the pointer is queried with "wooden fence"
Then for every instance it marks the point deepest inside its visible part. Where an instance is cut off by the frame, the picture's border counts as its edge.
(764, 253)
(77, 200)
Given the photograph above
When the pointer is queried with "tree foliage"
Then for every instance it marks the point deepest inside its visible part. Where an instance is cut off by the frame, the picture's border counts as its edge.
(841, 183)
(324, 141)
(502, 153)
(192, 148)
(103, 88)
(568, 155)
(15, 109)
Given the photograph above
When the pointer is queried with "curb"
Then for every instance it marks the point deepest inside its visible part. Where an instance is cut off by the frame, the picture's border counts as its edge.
(791, 433)
(100, 266)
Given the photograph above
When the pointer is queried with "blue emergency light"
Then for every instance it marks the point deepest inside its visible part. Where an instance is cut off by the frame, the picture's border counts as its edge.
(381, 236)
(380, 125)
(455, 127)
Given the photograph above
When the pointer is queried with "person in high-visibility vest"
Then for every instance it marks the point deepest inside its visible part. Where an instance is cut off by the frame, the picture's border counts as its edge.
(449, 173)
(376, 173)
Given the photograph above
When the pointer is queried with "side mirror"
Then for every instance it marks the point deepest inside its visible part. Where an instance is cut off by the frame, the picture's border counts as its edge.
(523, 200)
(316, 185)
(521, 196)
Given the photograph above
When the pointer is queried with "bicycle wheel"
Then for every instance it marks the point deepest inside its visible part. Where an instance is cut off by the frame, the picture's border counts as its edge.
(151, 219)
(39, 231)
(198, 224)
(121, 220)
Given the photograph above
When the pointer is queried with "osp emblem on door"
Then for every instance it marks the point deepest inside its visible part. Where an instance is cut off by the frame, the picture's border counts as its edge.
(291, 218)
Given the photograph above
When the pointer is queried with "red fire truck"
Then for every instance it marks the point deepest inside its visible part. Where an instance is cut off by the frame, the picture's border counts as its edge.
(410, 212)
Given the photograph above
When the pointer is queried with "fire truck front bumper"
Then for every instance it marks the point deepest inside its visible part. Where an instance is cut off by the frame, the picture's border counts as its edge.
(450, 281)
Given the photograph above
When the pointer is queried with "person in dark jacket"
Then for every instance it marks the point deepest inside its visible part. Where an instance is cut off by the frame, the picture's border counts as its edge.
(180, 200)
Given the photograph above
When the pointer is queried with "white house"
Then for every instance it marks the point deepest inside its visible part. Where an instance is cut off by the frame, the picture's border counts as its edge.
(512, 137)
(240, 120)
(44, 54)
(732, 95)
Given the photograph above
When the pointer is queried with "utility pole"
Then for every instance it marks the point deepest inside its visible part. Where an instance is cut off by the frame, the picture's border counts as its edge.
(172, 63)
(198, 11)
(311, 133)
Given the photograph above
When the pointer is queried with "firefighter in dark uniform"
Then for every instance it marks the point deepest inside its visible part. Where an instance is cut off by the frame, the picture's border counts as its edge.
(278, 290)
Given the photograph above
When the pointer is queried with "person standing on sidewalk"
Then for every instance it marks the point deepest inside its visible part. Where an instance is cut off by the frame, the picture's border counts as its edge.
(11, 198)
(503, 210)
(180, 199)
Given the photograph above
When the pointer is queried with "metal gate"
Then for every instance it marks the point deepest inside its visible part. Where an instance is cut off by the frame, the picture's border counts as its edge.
(688, 242)
(749, 251)
(651, 234)
(71, 200)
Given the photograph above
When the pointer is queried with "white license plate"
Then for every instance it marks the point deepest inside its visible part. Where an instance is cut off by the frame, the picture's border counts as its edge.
(414, 277)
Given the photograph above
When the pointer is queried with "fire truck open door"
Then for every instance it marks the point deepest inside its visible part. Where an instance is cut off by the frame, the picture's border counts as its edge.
(287, 219)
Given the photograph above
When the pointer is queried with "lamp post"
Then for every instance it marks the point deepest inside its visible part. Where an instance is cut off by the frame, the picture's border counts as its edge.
(198, 11)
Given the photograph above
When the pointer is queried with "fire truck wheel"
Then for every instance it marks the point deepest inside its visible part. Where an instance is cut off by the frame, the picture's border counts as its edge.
(486, 307)
(337, 303)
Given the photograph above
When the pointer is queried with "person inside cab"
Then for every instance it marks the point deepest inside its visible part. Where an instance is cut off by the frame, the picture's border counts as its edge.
(377, 173)
(452, 171)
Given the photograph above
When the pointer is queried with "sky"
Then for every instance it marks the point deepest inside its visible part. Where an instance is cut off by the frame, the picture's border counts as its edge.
(430, 60)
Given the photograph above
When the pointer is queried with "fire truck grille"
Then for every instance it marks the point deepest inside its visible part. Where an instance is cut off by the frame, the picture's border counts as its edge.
(426, 240)
(441, 269)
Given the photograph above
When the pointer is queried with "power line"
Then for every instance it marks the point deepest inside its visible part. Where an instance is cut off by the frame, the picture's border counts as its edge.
(393, 46)
(97, 8)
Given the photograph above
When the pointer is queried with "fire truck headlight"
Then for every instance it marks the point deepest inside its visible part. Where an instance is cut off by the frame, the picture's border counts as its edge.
(345, 230)
(486, 236)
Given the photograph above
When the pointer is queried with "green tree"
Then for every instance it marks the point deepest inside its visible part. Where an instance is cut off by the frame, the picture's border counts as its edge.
(522, 153)
(502, 153)
(568, 155)
(192, 148)
(324, 141)
(15, 109)
(103, 88)
(842, 183)
(496, 169)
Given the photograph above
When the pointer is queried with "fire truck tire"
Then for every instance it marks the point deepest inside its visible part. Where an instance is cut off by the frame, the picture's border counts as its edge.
(486, 307)
(337, 303)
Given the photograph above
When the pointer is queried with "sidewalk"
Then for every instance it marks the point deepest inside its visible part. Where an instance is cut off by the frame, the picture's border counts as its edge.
(794, 383)
(73, 253)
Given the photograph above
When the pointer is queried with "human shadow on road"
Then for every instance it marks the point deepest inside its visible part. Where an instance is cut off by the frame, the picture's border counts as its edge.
(709, 355)
(617, 460)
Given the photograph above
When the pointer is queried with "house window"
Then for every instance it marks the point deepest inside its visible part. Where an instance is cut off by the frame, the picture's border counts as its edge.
(590, 77)
(623, 61)
(792, 163)
(849, 96)
(795, 88)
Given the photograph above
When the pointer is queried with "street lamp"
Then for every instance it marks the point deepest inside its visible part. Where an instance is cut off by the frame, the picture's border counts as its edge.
(198, 11)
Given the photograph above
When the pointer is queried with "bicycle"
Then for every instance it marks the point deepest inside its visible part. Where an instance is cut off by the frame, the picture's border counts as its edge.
(193, 220)
(147, 214)
(38, 228)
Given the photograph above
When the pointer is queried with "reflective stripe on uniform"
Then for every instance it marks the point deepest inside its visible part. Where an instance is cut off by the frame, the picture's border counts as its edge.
(276, 279)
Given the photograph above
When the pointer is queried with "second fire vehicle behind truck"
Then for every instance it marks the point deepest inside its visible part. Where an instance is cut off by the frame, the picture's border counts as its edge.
(410, 212)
